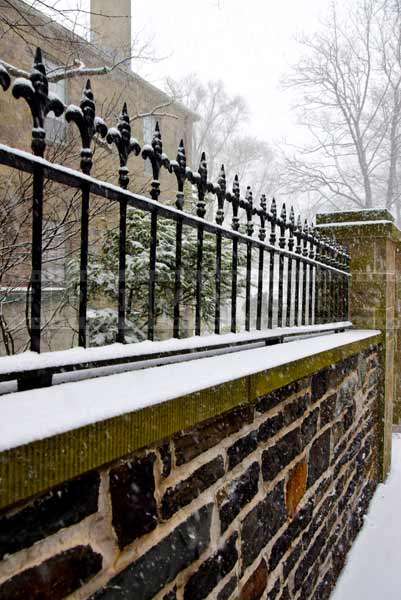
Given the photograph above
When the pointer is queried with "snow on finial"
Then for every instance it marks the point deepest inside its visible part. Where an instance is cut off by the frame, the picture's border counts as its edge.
(179, 168)
(221, 195)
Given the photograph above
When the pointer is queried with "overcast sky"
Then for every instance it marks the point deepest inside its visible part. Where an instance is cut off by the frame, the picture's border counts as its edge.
(249, 44)
(246, 43)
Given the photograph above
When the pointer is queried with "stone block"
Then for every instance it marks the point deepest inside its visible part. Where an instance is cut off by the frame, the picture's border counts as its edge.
(132, 488)
(292, 560)
(255, 585)
(56, 578)
(271, 400)
(274, 592)
(320, 384)
(241, 449)
(212, 571)
(309, 427)
(228, 590)
(187, 490)
(275, 458)
(328, 410)
(294, 410)
(295, 527)
(237, 494)
(192, 443)
(63, 506)
(296, 487)
(270, 427)
(309, 560)
(165, 457)
(262, 523)
(319, 457)
(161, 564)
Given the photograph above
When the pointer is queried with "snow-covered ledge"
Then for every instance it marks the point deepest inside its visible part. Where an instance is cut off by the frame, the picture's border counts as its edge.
(51, 434)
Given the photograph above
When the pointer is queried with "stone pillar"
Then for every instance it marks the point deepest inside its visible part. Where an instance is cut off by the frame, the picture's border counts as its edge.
(374, 244)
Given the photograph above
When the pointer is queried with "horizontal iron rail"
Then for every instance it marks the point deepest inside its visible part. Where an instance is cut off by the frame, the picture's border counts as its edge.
(35, 375)
(26, 162)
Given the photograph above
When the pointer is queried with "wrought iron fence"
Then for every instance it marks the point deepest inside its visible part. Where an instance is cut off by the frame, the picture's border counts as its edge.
(311, 271)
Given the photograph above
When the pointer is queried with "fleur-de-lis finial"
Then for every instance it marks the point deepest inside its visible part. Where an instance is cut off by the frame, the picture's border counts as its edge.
(154, 152)
(235, 200)
(179, 168)
(273, 221)
(125, 144)
(298, 235)
(312, 241)
(318, 242)
(199, 179)
(35, 91)
(5, 79)
(291, 228)
(88, 124)
(283, 226)
(262, 214)
(247, 205)
(221, 190)
(305, 238)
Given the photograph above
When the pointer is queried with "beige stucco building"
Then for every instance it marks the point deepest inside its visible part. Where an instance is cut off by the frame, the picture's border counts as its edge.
(113, 83)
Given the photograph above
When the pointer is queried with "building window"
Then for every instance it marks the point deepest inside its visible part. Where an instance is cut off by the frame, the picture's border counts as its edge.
(56, 127)
(149, 124)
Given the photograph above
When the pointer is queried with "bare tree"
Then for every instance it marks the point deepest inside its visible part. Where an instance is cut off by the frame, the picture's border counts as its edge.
(220, 133)
(349, 79)
(62, 207)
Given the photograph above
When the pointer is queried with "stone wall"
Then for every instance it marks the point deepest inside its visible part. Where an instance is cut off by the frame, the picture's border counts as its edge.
(261, 502)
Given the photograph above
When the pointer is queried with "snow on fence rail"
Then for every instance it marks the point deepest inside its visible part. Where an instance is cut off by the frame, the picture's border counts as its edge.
(305, 276)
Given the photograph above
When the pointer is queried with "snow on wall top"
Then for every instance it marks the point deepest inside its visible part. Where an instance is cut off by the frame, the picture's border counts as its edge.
(38, 414)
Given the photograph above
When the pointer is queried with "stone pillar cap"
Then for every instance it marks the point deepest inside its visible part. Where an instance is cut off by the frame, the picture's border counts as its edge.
(366, 214)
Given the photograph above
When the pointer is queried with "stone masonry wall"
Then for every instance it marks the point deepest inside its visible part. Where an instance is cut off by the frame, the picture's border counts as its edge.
(260, 503)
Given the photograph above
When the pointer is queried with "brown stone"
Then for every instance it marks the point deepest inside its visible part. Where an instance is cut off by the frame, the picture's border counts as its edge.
(256, 584)
(296, 487)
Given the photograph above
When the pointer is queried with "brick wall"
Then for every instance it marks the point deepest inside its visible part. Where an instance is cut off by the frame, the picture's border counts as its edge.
(259, 503)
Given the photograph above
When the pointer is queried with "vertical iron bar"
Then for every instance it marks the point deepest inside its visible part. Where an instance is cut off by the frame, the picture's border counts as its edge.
(234, 268)
(177, 282)
(199, 260)
(310, 305)
(289, 292)
(83, 273)
(271, 290)
(336, 291)
(316, 318)
(282, 240)
(36, 277)
(280, 290)
(328, 297)
(248, 287)
(122, 250)
(297, 277)
(218, 284)
(325, 306)
(260, 290)
(303, 299)
(152, 276)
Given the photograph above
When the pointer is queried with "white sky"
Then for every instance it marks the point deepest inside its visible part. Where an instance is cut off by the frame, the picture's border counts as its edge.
(246, 43)
(249, 44)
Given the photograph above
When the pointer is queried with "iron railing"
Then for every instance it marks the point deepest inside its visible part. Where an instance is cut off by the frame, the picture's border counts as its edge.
(306, 276)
